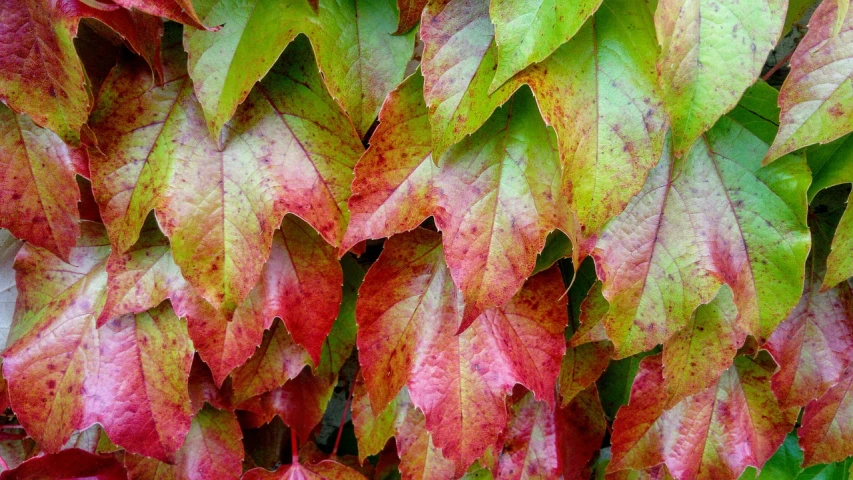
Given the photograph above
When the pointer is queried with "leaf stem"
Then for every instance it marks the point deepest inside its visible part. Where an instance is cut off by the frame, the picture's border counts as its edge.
(778, 65)
(294, 447)
(346, 409)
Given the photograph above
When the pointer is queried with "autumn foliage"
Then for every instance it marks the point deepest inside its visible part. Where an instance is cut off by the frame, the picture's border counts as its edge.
(426, 239)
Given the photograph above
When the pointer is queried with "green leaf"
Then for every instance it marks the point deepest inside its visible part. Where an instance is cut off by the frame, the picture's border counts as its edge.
(527, 31)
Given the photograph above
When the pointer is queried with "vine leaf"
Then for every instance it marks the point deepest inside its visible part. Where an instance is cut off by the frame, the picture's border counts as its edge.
(9, 247)
(599, 91)
(818, 92)
(527, 32)
(130, 375)
(38, 193)
(712, 51)
(721, 430)
(713, 217)
(825, 431)
(408, 313)
(495, 195)
(410, 14)
(289, 149)
(70, 463)
(323, 470)
(181, 11)
(459, 62)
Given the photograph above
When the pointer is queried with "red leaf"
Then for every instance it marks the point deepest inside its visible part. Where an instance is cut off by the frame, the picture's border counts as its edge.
(203, 389)
(813, 345)
(71, 463)
(181, 11)
(408, 313)
(827, 425)
(546, 443)
(64, 374)
(714, 434)
(410, 14)
(213, 448)
(38, 193)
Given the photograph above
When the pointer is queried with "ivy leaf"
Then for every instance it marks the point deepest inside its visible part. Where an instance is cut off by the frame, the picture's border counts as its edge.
(825, 431)
(38, 193)
(599, 92)
(130, 375)
(289, 149)
(817, 93)
(545, 443)
(527, 32)
(495, 195)
(360, 59)
(226, 64)
(410, 14)
(813, 345)
(689, 365)
(71, 463)
(9, 247)
(720, 431)
(408, 313)
(40, 73)
(181, 11)
(213, 447)
(459, 62)
(324, 470)
(714, 217)
(712, 50)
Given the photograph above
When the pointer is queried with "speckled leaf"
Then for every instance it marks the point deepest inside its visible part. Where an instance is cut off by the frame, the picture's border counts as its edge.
(226, 64)
(40, 73)
(71, 463)
(814, 344)
(213, 448)
(9, 247)
(178, 10)
(410, 14)
(818, 92)
(300, 403)
(288, 149)
(360, 58)
(408, 313)
(419, 457)
(826, 432)
(713, 434)
(38, 193)
(712, 51)
(696, 356)
(130, 375)
(373, 429)
(495, 196)
(324, 470)
(599, 92)
(710, 218)
(528, 31)
(542, 443)
(459, 62)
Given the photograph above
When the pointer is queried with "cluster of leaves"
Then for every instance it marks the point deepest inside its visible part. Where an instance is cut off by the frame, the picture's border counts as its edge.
(511, 238)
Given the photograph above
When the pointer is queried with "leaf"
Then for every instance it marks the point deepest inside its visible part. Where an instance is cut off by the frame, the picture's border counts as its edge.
(542, 443)
(204, 390)
(326, 469)
(695, 357)
(224, 65)
(410, 14)
(130, 376)
(40, 74)
(813, 345)
(714, 217)
(38, 193)
(712, 50)
(527, 32)
(9, 247)
(408, 313)
(719, 431)
(458, 65)
(181, 11)
(495, 195)
(419, 457)
(360, 59)
(818, 91)
(825, 432)
(599, 92)
(213, 448)
(300, 403)
(71, 463)
(159, 158)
